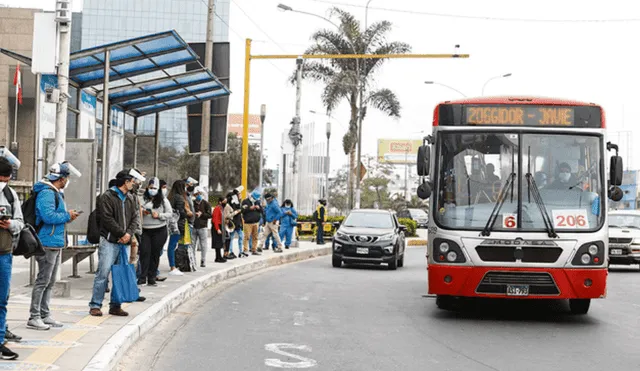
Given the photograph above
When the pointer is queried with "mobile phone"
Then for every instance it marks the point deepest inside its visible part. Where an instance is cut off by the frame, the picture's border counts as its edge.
(79, 211)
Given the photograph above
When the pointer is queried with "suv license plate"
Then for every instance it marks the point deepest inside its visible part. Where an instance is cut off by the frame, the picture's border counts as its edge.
(362, 250)
(517, 290)
(616, 252)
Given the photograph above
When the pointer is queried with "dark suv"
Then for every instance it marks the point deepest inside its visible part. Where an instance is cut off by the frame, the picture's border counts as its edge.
(370, 236)
(418, 215)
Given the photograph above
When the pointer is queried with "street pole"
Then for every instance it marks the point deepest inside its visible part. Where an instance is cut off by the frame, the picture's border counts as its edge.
(63, 18)
(361, 113)
(206, 105)
(245, 118)
(366, 15)
(294, 133)
(263, 116)
(406, 175)
(327, 164)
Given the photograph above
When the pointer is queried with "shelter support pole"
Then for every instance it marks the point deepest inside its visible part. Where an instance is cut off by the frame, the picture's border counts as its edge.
(245, 119)
(206, 106)
(135, 142)
(104, 174)
(156, 143)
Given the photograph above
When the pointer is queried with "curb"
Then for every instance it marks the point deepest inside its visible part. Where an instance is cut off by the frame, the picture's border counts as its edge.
(108, 356)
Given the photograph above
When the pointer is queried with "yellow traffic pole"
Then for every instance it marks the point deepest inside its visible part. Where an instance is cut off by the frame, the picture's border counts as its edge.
(245, 119)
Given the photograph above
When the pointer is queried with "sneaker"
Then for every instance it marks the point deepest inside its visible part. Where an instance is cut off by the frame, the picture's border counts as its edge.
(256, 253)
(7, 354)
(244, 254)
(161, 278)
(10, 336)
(118, 312)
(37, 324)
(278, 250)
(176, 272)
(52, 322)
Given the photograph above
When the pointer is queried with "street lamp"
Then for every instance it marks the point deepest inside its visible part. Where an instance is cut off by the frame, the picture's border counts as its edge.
(366, 15)
(446, 86)
(263, 115)
(494, 78)
(327, 164)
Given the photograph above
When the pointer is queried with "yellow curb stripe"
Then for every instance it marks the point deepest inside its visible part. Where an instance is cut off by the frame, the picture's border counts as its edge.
(49, 355)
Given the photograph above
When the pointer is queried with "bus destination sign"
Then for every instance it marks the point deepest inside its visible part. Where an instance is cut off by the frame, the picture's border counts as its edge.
(520, 115)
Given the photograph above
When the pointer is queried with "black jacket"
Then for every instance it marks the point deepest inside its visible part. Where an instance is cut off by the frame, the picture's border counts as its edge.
(251, 216)
(205, 208)
(118, 218)
(177, 203)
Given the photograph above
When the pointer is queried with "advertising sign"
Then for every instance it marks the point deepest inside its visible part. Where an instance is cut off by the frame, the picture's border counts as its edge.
(398, 151)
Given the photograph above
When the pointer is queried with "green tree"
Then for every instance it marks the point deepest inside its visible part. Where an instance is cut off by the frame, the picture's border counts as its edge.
(345, 79)
(225, 168)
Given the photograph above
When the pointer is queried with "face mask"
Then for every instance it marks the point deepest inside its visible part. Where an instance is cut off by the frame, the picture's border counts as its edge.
(190, 189)
(198, 198)
(153, 192)
(564, 177)
(2, 185)
(286, 205)
(164, 192)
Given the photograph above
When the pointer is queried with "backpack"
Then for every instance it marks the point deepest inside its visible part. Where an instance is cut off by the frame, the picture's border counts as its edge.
(28, 242)
(315, 216)
(93, 228)
(29, 210)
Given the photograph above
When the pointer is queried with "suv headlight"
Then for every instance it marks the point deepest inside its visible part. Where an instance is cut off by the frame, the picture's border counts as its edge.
(341, 236)
(387, 237)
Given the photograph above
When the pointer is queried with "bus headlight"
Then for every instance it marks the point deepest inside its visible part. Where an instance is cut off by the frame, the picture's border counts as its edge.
(444, 247)
(593, 249)
(452, 256)
(585, 259)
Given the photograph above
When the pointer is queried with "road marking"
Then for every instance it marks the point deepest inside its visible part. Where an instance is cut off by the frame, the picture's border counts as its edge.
(277, 348)
(298, 319)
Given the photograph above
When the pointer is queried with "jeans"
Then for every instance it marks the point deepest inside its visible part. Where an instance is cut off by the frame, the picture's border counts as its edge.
(285, 234)
(319, 233)
(152, 242)
(108, 254)
(200, 237)
(5, 283)
(237, 232)
(46, 279)
(171, 249)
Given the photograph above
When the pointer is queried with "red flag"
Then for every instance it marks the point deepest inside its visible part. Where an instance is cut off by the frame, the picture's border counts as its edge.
(17, 81)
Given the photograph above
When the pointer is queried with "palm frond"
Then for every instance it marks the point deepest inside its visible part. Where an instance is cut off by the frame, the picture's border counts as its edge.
(384, 100)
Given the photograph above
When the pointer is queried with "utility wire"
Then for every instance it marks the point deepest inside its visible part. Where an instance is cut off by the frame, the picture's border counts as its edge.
(483, 18)
(258, 26)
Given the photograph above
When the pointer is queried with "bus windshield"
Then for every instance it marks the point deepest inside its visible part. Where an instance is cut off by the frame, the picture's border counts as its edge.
(562, 172)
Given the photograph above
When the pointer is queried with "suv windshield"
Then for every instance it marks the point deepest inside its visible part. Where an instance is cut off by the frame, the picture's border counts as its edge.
(368, 220)
(624, 221)
(473, 169)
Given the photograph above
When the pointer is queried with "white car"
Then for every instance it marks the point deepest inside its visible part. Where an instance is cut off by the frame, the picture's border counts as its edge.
(624, 237)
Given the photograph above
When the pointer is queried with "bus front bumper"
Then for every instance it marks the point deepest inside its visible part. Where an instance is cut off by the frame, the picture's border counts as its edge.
(517, 283)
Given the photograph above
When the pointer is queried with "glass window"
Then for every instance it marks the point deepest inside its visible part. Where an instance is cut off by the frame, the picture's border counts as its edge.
(72, 124)
(73, 101)
(624, 221)
(368, 220)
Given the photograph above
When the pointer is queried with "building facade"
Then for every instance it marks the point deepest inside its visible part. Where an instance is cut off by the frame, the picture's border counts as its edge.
(109, 21)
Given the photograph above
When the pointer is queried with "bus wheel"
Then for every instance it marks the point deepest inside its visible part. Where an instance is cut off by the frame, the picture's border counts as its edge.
(445, 302)
(579, 306)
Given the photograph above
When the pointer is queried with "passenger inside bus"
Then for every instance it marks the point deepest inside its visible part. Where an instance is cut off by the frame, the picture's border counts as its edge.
(564, 178)
(490, 174)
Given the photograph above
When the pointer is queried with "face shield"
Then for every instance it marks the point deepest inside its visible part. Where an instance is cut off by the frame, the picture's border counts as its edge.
(66, 169)
(4, 152)
(137, 176)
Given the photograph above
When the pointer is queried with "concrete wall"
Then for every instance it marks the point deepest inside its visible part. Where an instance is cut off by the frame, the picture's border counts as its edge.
(16, 34)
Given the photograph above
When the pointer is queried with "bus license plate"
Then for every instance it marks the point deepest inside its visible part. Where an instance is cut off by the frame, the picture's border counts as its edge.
(362, 250)
(616, 252)
(517, 290)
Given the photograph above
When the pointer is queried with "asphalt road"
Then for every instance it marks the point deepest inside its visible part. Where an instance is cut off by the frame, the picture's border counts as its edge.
(312, 316)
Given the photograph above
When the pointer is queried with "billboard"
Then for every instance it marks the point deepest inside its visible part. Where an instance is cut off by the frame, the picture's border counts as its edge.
(398, 151)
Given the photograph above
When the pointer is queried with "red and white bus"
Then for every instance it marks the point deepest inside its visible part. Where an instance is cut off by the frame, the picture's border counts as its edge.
(518, 208)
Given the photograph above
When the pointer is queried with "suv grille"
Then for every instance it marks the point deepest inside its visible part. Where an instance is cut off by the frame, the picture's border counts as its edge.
(622, 241)
(363, 239)
(539, 283)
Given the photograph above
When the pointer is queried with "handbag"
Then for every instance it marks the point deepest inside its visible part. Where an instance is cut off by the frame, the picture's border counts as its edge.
(28, 243)
(125, 283)
(186, 237)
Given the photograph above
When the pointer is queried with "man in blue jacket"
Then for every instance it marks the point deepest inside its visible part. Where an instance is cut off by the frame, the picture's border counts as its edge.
(273, 214)
(51, 217)
(288, 222)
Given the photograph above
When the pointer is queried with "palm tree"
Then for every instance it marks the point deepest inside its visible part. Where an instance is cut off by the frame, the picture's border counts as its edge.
(344, 79)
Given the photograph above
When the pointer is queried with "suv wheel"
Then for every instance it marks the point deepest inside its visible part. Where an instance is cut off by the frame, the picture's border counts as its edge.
(393, 264)
(337, 262)
(401, 261)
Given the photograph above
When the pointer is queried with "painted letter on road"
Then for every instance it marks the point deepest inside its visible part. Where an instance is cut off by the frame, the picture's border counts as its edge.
(278, 348)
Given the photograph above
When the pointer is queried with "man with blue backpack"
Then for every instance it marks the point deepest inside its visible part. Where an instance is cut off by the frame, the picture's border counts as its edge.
(51, 216)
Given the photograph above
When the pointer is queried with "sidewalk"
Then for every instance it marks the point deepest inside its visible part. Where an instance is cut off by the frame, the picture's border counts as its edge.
(101, 340)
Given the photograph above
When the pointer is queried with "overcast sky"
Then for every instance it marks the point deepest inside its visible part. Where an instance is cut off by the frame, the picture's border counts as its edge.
(562, 57)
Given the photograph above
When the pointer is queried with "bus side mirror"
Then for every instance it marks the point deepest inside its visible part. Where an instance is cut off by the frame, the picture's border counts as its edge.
(615, 171)
(424, 190)
(424, 156)
(615, 194)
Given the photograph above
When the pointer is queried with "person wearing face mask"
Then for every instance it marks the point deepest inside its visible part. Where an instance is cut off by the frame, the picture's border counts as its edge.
(156, 210)
(564, 178)
(191, 187)
(201, 224)
(164, 187)
(288, 222)
(119, 219)
(51, 217)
